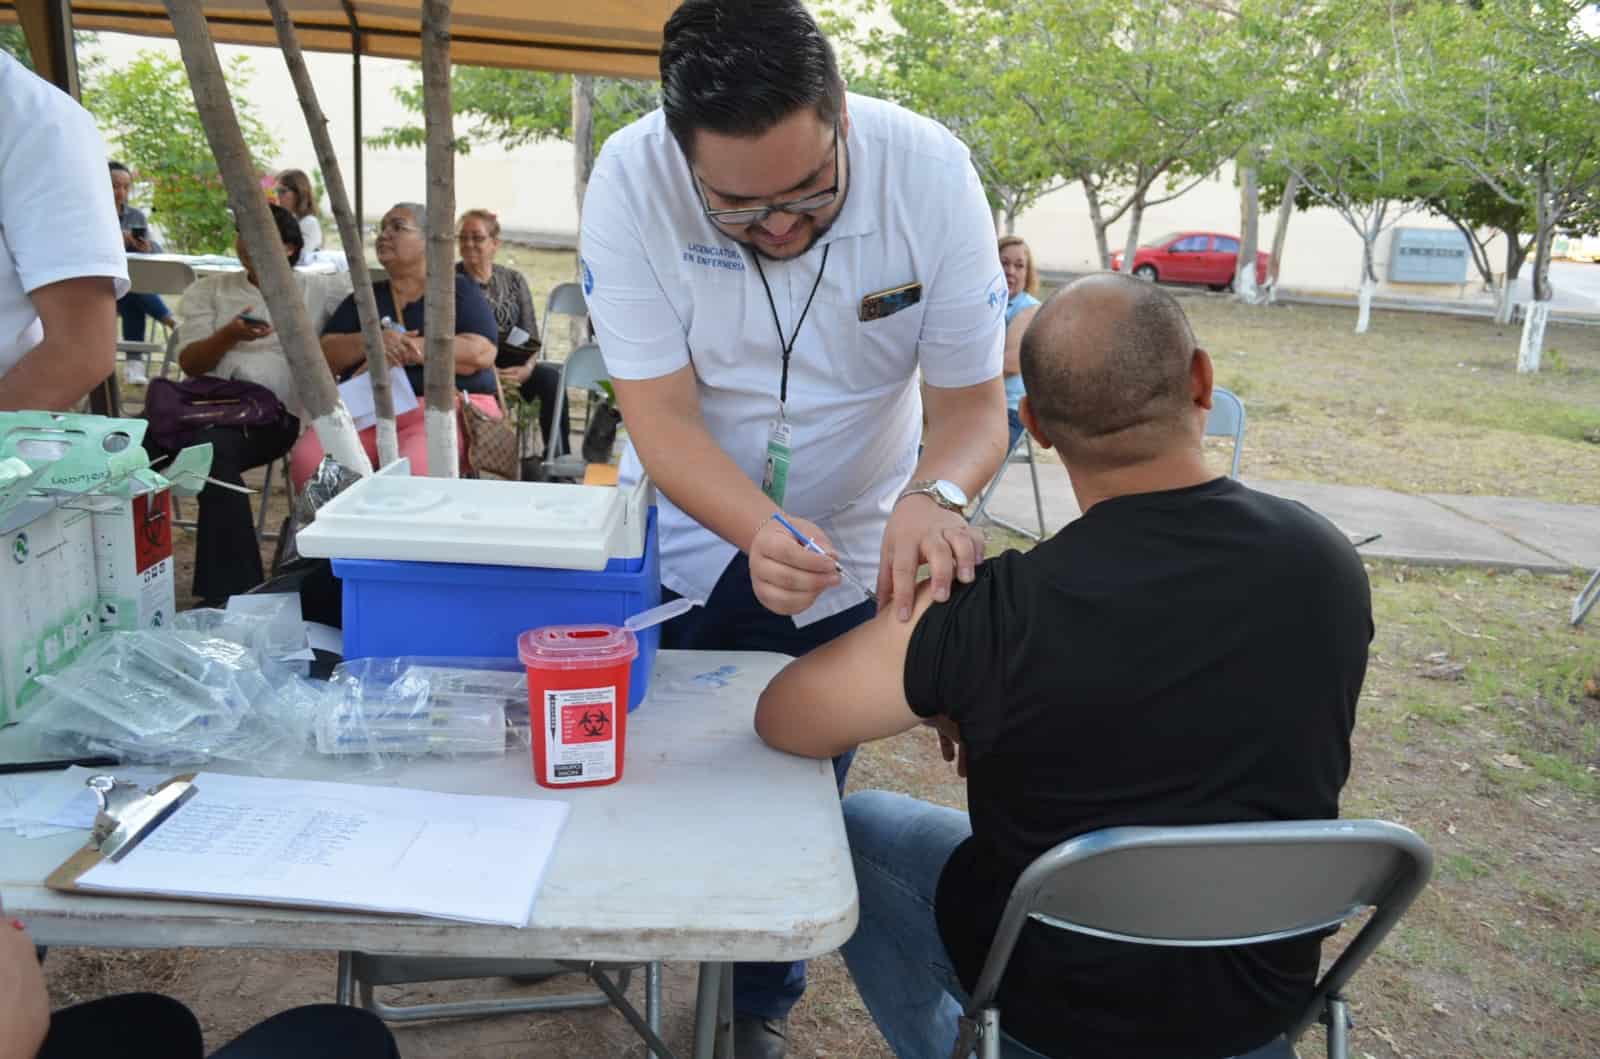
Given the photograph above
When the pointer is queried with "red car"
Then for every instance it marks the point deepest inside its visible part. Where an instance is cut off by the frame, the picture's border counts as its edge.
(1191, 257)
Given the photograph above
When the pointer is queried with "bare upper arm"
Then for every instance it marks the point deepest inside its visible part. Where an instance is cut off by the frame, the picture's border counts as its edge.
(846, 692)
(81, 314)
(647, 403)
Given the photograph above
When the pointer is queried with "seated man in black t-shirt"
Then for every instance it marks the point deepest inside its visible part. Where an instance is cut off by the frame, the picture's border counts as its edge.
(1190, 651)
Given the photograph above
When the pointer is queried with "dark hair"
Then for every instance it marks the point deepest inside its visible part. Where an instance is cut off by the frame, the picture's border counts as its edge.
(305, 199)
(118, 167)
(739, 67)
(289, 232)
(1109, 382)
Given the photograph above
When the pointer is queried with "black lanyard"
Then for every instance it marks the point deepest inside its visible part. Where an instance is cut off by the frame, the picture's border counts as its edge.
(788, 347)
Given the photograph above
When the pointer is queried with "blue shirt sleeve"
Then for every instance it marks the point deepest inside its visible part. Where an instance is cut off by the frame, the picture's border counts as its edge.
(473, 314)
(345, 320)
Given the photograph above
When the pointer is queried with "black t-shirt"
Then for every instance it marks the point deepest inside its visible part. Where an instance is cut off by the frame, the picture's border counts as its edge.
(473, 317)
(1183, 657)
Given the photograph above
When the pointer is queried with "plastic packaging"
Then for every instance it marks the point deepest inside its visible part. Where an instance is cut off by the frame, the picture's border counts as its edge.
(577, 677)
(410, 706)
(329, 480)
(171, 697)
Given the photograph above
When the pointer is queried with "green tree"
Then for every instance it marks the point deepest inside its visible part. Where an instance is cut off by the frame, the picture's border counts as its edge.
(946, 61)
(148, 111)
(1510, 91)
(15, 44)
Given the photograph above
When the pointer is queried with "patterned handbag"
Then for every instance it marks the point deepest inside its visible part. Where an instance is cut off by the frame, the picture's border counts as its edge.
(491, 444)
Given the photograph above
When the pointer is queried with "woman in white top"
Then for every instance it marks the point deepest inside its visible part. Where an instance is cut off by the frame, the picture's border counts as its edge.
(224, 330)
(295, 194)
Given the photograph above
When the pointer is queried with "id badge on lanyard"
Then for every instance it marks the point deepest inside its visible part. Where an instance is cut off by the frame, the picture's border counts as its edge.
(775, 479)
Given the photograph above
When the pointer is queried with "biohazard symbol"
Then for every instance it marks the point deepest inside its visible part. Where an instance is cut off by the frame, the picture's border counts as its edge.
(594, 723)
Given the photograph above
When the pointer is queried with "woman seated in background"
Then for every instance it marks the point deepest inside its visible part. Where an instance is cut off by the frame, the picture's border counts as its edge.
(400, 249)
(294, 194)
(225, 330)
(507, 291)
(1022, 288)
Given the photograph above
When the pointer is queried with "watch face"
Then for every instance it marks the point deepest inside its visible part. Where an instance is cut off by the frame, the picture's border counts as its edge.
(951, 492)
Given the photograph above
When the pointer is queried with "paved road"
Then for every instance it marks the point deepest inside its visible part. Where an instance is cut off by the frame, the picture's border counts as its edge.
(1577, 286)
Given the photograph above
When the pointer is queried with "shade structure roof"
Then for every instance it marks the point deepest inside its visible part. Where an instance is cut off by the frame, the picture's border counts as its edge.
(616, 38)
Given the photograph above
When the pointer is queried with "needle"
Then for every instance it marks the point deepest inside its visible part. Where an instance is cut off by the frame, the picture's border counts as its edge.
(812, 546)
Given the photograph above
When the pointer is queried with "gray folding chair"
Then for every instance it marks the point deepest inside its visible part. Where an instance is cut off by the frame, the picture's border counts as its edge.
(1024, 443)
(584, 369)
(1227, 420)
(1215, 885)
(566, 299)
(1585, 600)
(156, 276)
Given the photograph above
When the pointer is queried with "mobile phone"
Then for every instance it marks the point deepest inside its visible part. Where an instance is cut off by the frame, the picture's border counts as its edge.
(139, 232)
(254, 321)
(888, 302)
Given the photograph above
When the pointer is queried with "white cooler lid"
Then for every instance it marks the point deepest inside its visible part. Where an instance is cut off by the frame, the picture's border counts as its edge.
(392, 515)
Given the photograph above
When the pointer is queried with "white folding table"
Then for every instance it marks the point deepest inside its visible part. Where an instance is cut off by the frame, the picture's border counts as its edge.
(712, 848)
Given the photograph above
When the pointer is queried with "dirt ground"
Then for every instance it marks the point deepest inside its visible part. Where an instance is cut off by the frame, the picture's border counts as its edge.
(1496, 764)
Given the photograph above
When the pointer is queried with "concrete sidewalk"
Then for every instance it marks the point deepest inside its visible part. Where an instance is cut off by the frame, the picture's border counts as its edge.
(1431, 530)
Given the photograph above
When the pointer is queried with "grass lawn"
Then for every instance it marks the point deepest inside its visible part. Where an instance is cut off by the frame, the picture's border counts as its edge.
(1497, 765)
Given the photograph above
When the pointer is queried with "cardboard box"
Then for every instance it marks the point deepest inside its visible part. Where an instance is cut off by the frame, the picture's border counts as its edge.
(133, 561)
(48, 601)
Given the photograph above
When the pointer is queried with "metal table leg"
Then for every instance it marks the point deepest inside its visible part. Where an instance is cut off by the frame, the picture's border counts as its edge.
(706, 1002)
(725, 1015)
(652, 1000)
(345, 986)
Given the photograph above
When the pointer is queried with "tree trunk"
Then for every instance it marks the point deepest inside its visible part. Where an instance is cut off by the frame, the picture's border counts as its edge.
(349, 231)
(582, 135)
(1011, 216)
(313, 381)
(1479, 252)
(1280, 234)
(1097, 219)
(1531, 349)
(1369, 282)
(1516, 254)
(1244, 269)
(1130, 245)
(439, 304)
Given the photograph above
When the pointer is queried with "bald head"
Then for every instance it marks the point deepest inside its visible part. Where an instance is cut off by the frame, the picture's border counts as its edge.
(1107, 364)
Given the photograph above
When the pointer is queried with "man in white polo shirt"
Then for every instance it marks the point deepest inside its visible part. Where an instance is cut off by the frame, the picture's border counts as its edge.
(772, 268)
(61, 260)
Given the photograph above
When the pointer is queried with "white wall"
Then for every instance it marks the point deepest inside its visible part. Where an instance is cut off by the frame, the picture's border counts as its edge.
(531, 188)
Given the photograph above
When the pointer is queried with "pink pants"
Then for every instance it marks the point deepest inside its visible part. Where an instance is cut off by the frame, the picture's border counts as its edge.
(413, 438)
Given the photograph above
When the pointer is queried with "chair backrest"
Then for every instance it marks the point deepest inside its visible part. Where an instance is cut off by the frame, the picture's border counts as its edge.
(1220, 884)
(159, 275)
(566, 298)
(584, 368)
(1226, 419)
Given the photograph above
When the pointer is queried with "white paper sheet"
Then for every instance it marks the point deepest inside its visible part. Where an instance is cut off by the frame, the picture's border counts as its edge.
(454, 856)
(61, 802)
(356, 393)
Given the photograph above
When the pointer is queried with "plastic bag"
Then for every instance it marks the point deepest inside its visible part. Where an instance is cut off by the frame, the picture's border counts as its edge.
(411, 706)
(329, 480)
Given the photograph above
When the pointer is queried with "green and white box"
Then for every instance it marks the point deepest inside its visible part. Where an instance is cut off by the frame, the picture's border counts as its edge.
(48, 601)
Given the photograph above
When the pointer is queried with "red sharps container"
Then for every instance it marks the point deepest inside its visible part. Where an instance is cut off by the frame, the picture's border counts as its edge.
(578, 701)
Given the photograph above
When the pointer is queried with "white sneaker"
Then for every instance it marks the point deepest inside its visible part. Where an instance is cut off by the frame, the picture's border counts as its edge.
(134, 372)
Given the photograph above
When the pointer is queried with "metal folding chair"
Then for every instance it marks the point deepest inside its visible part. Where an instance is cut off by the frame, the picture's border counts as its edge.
(584, 369)
(565, 299)
(1227, 420)
(1215, 885)
(156, 276)
(1024, 443)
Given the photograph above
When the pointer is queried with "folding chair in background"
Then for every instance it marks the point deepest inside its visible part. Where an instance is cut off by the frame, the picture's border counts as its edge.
(1215, 885)
(1225, 420)
(157, 276)
(584, 369)
(1023, 443)
(1584, 601)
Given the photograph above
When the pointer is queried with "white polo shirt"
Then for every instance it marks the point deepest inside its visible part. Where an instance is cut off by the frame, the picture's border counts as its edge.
(57, 217)
(666, 288)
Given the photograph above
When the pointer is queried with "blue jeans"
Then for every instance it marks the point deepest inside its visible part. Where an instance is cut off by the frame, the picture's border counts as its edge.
(733, 619)
(134, 308)
(899, 845)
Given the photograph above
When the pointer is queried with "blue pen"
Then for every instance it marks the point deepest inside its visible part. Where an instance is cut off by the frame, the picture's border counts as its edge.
(812, 546)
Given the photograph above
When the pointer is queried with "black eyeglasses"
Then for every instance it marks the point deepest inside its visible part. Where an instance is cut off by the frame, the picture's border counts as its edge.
(748, 215)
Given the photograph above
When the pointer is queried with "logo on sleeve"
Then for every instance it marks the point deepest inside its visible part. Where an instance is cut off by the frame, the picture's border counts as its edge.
(996, 297)
(588, 276)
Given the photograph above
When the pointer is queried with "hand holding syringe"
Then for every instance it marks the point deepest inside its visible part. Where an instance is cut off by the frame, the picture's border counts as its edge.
(812, 546)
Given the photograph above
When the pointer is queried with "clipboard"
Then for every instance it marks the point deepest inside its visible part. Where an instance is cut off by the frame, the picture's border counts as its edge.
(140, 815)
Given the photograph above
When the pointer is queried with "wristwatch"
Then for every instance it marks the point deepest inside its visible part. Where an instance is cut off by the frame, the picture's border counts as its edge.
(941, 491)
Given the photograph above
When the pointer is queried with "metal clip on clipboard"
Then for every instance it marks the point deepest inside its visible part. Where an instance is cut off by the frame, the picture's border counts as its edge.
(128, 814)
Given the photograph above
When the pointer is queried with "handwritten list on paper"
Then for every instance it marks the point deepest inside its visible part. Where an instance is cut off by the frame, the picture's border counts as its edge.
(338, 845)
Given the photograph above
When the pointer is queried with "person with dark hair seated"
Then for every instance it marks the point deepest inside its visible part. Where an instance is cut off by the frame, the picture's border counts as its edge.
(151, 1026)
(226, 331)
(1189, 651)
(400, 247)
(512, 302)
(135, 307)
